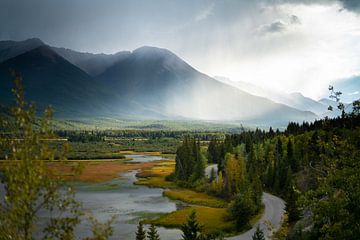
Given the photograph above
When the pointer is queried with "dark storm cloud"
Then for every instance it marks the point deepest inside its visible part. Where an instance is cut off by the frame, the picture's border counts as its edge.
(350, 5)
(95, 25)
(353, 5)
(112, 25)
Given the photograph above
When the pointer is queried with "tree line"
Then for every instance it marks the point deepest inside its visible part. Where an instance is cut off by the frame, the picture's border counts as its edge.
(313, 166)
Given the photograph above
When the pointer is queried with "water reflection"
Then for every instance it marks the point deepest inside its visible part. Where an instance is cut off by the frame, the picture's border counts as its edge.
(128, 202)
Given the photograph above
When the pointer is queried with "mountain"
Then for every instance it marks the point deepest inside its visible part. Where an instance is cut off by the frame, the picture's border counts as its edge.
(49, 79)
(93, 64)
(161, 82)
(10, 49)
(294, 100)
(335, 112)
(148, 83)
(299, 101)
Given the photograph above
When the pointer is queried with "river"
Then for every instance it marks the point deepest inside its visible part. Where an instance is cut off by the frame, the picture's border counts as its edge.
(128, 202)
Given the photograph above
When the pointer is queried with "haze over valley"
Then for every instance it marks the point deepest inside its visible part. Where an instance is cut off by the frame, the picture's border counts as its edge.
(147, 83)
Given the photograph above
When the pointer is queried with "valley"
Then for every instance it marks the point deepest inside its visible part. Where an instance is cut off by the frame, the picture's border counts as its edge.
(141, 145)
(146, 84)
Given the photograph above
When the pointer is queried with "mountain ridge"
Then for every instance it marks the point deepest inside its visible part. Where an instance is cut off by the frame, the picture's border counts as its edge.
(148, 82)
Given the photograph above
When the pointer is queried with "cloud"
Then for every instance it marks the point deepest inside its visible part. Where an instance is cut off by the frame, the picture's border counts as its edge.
(287, 45)
(350, 5)
(353, 93)
(279, 26)
(274, 27)
(205, 13)
(294, 19)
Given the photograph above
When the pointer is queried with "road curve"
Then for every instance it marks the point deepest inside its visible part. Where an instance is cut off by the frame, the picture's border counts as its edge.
(270, 220)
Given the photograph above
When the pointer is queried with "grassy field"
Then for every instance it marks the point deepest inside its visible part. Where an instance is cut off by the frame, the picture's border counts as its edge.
(197, 198)
(155, 176)
(90, 150)
(211, 211)
(162, 145)
(213, 220)
(94, 171)
(155, 125)
(159, 154)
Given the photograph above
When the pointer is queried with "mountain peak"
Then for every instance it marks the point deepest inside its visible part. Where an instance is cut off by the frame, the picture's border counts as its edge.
(27, 42)
(296, 94)
(10, 49)
(44, 51)
(36, 56)
(145, 51)
(34, 41)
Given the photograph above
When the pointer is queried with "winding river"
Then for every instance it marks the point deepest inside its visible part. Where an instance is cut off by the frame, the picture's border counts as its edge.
(120, 198)
(128, 202)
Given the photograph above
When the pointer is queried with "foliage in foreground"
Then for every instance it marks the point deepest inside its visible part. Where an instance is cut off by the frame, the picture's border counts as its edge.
(30, 186)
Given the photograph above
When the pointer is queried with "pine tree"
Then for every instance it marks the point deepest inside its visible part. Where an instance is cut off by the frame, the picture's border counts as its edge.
(258, 235)
(199, 168)
(140, 233)
(212, 151)
(191, 229)
(291, 206)
(212, 176)
(152, 233)
(290, 156)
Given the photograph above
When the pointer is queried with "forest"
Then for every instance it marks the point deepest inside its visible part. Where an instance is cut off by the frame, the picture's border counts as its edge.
(313, 166)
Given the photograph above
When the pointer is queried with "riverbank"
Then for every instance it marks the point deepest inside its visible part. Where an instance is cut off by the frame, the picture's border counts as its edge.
(212, 213)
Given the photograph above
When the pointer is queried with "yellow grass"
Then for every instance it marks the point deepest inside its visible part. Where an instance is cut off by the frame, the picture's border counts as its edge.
(155, 182)
(129, 152)
(95, 171)
(192, 197)
(213, 220)
(155, 176)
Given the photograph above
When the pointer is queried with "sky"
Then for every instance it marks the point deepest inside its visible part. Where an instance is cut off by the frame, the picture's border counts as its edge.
(283, 45)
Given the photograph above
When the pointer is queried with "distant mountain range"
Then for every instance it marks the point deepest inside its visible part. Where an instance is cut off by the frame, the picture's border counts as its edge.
(148, 83)
(295, 100)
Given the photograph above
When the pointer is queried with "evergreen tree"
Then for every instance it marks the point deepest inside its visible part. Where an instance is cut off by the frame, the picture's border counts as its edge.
(212, 176)
(290, 156)
(212, 151)
(152, 233)
(258, 234)
(291, 206)
(242, 208)
(199, 170)
(189, 165)
(191, 229)
(140, 233)
(257, 191)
